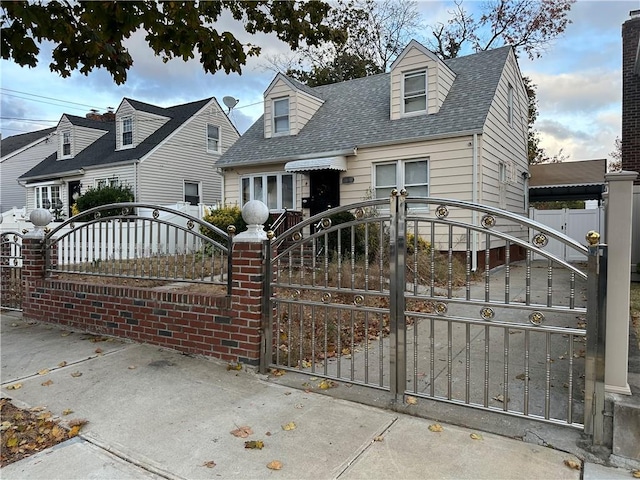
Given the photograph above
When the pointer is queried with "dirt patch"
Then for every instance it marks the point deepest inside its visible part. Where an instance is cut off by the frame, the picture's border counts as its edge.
(212, 289)
(25, 432)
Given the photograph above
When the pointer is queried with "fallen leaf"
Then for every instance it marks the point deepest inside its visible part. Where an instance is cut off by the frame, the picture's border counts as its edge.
(277, 372)
(299, 406)
(242, 432)
(475, 436)
(287, 393)
(234, 366)
(500, 398)
(43, 372)
(327, 384)
(76, 374)
(15, 386)
(636, 473)
(131, 367)
(379, 438)
(289, 426)
(436, 427)
(47, 383)
(268, 434)
(411, 400)
(5, 426)
(572, 464)
(12, 442)
(74, 431)
(62, 364)
(98, 351)
(522, 376)
(254, 444)
(65, 334)
(57, 432)
(37, 409)
(209, 464)
(68, 411)
(274, 465)
(306, 364)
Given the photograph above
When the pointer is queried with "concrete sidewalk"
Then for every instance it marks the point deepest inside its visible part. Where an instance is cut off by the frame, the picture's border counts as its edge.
(154, 413)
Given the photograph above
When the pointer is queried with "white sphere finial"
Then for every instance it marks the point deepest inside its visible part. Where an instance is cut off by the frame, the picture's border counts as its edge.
(40, 217)
(254, 213)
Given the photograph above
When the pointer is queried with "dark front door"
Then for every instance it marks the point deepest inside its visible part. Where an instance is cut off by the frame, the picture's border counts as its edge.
(324, 189)
(74, 192)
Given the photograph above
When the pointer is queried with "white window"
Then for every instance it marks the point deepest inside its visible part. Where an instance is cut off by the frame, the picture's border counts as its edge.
(48, 196)
(213, 138)
(413, 175)
(415, 92)
(276, 190)
(192, 192)
(106, 182)
(510, 106)
(127, 131)
(66, 144)
(281, 116)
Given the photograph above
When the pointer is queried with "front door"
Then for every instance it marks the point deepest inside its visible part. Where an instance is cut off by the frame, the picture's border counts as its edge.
(74, 192)
(325, 190)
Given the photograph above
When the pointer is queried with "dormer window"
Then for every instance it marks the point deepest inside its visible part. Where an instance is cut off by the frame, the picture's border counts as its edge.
(281, 116)
(415, 92)
(213, 138)
(66, 144)
(127, 132)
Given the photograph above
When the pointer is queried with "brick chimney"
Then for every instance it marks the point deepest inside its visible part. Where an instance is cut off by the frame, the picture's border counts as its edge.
(631, 93)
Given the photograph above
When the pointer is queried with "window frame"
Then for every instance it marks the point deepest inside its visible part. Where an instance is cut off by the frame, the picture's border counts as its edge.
(264, 180)
(128, 120)
(275, 117)
(184, 191)
(218, 140)
(101, 182)
(415, 94)
(510, 95)
(401, 174)
(38, 195)
(66, 142)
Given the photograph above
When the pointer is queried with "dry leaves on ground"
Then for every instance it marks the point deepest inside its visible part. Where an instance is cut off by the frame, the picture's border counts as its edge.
(289, 426)
(25, 432)
(254, 444)
(274, 465)
(242, 432)
(475, 436)
(572, 464)
(436, 427)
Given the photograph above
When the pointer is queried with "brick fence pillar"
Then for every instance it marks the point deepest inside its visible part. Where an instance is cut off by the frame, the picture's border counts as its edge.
(246, 297)
(247, 288)
(33, 272)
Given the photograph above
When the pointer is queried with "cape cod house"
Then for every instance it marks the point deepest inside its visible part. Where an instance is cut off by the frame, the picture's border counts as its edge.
(453, 129)
(166, 155)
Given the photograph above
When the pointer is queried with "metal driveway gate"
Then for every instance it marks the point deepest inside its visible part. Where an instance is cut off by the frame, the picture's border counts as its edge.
(11, 270)
(394, 295)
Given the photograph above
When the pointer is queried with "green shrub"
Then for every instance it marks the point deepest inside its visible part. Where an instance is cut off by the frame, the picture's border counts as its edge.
(422, 245)
(222, 218)
(104, 195)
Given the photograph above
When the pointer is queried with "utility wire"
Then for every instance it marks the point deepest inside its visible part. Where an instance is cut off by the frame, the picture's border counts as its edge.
(50, 98)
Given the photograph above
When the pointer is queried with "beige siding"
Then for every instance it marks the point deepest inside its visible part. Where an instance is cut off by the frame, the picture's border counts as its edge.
(124, 173)
(184, 157)
(505, 143)
(12, 193)
(302, 107)
(439, 81)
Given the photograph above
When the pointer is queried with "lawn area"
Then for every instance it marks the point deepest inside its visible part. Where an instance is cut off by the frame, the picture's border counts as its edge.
(635, 309)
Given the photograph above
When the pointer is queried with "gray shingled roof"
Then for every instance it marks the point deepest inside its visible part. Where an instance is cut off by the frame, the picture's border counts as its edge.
(16, 142)
(103, 152)
(356, 113)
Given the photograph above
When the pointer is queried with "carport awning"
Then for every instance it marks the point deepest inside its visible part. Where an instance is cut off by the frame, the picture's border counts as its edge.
(323, 163)
(566, 192)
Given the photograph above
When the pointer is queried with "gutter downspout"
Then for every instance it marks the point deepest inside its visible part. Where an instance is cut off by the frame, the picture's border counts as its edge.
(135, 180)
(474, 199)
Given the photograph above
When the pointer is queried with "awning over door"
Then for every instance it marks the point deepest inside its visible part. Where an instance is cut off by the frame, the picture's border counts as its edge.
(324, 163)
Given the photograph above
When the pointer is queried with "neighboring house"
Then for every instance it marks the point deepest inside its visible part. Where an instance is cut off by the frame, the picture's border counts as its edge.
(19, 154)
(631, 118)
(166, 155)
(454, 129)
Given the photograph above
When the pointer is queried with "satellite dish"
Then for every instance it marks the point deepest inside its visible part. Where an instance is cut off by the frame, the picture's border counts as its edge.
(230, 102)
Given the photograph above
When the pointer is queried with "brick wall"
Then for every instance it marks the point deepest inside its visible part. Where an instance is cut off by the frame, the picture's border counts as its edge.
(630, 96)
(224, 327)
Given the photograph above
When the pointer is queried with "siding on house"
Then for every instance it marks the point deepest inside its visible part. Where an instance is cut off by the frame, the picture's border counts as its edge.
(439, 80)
(12, 193)
(144, 123)
(81, 137)
(302, 106)
(163, 171)
(505, 143)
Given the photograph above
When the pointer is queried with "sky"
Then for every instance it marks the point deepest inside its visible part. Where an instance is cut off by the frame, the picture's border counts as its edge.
(578, 82)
